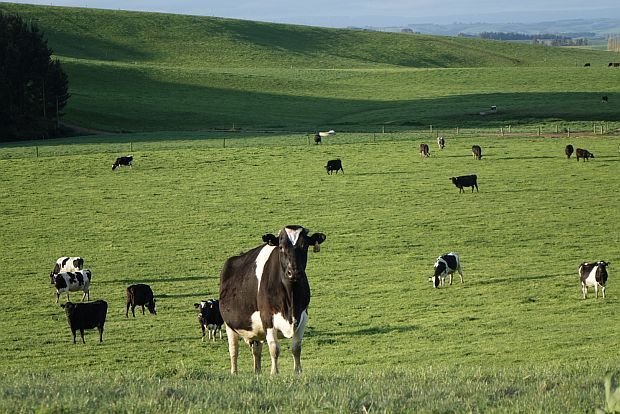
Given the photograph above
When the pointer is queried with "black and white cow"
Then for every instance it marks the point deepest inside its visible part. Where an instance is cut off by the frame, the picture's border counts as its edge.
(424, 150)
(140, 295)
(120, 161)
(593, 275)
(334, 165)
(441, 142)
(568, 150)
(604, 99)
(583, 153)
(66, 264)
(446, 265)
(210, 318)
(88, 315)
(476, 152)
(465, 181)
(72, 282)
(264, 295)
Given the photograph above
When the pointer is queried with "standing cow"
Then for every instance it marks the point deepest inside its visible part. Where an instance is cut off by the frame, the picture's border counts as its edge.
(72, 282)
(140, 295)
(122, 161)
(441, 142)
(424, 150)
(569, 150)
(446, 265)
(334, 165)
(264, 295)
(465, 181)
(593, 275)
(82, 316)
(583, 153)
(68, 264)
(317, 138)
(476, 151)
(210, 318)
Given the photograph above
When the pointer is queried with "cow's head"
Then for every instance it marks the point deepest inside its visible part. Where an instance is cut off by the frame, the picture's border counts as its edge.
(440, 269)
(150, 305)
(52, 278)
(293, 243)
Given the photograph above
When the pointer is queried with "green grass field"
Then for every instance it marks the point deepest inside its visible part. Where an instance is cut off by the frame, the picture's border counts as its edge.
(515, 337)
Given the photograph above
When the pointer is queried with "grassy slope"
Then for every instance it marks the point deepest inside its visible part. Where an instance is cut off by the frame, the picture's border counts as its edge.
(148, 72)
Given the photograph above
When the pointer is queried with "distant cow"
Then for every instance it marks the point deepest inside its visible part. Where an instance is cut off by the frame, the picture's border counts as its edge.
(210, 318)
(88, 315)
(465, 181)
(67, 264)
(587, 65)
(616, 64)
(72, 282)
(120, 161)
(604, 99)
(334, 165)
(583, 153)
(441, 142)
(476, 151)
(264, 295)
(140, 295)
(593, 275)
(424, 151)
(446, 265)
(317, 139)
(569, 150)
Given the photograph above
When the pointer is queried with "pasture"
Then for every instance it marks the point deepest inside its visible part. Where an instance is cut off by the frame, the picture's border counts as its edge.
(515, 337)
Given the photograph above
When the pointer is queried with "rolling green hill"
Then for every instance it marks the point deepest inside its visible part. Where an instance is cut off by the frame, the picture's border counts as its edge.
(147, 71)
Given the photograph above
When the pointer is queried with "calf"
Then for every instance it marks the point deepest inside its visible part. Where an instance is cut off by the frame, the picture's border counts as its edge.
(424, 151)
(446, 265)
(86, 316)
(465, 181)
(140, 295)
(334, 165)
(210, 318)
(583, 153)
(476, 151)
(593, 275)
(569, 150)
(441, 142)
(122, 161)
(72, 282)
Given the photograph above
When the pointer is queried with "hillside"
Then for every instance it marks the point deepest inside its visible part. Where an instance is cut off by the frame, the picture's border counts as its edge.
(146, 71)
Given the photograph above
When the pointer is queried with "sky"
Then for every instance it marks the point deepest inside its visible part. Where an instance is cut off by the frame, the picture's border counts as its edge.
(378, 13)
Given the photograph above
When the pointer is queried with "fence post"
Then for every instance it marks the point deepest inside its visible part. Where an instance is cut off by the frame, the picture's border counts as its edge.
(130, 147)
(384, 128)
(501, 130)
(457, 130)
(538, 131)
(37, 150)
(509, 128)
(224, 142)
(431, 129)
(568, 131)
(557, 128)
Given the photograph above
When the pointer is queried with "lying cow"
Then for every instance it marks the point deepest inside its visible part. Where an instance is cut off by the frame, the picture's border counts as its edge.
(569, 150)
(140, 295)
(210, 318)
(72, 282)
(446, 265)
(424, 150)
(441, 142)
(593, 275)
(583, 153)
(122, 161)
(476, 151)
(465, 181)
(88, 315)
(334, 165)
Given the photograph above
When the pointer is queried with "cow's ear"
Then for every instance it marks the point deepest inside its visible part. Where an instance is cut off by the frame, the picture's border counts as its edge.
(316, 239)
(270, 239)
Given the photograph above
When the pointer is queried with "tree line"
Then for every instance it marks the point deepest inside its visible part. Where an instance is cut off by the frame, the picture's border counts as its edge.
(568, 39)
(33, 86)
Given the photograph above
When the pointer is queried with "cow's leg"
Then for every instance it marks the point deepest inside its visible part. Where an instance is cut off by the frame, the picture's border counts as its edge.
(257, 350)
(296, 342)
(143, 309)
(57, 296)
(133, 310)
(584, 289)
(596, 291)
(127, 310)
(202, 327)
(100, 328)
(220, 329)
(73, 332)
(233, 348)
(82, 335)
(274, 349)
(458, 269)
(603, 289)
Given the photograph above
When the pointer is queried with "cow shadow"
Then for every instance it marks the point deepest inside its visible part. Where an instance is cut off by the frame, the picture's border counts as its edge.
(373, 330)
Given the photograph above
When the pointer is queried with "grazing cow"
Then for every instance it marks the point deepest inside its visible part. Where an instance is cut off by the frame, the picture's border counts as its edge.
(66, 264)
(587, 65)
(610, 64)
(317, 139)
(86, 316)
(72, 282)
(604, 99)
(583, 153)
(264, 294)
(210, 317)
(140, 295)
(465, 181)
(569, 150)
(476, 151)
(446, 265)
(424, 151)
(441, 142)
(593, 275)
(616, 64)
(334, 165)
(120, 161)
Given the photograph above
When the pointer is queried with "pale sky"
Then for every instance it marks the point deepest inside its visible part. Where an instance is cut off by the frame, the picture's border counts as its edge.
(342, 13)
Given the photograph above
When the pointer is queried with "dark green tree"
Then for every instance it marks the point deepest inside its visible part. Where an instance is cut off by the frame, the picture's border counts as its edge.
(33, 86)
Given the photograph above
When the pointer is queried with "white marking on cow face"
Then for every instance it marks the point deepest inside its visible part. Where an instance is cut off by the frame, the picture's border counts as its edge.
(261, 260)
(293, 234)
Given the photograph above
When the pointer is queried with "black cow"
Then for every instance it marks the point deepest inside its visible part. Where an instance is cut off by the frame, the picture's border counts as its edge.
(604, 99)
(264, 294)
(122, 161)
(593, 275)
(616, 64)
(441, 142)
(583, 153)
(446, 265)
(210, 318)
(87, 315)
(334, 165)
(476, 151)
(587, 65)
(424, 150)
(140, 295)
(317, 138)
(465, 181)
(569, 150)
